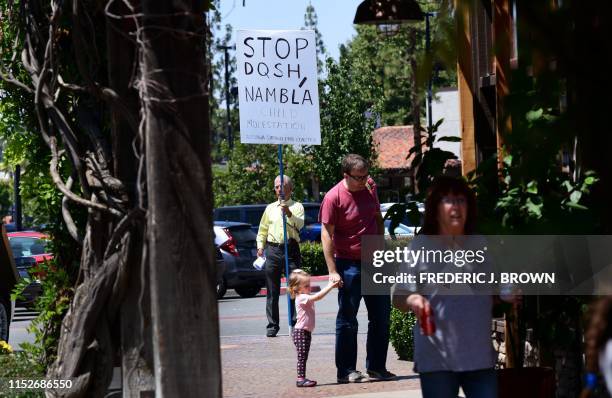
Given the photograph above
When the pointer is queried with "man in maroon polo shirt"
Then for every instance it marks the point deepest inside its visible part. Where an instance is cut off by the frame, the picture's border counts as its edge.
(349, 211)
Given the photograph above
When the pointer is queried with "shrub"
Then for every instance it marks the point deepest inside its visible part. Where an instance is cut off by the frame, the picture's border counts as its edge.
(401, 335)
(51, 305)
(19, 365)
(313, 260)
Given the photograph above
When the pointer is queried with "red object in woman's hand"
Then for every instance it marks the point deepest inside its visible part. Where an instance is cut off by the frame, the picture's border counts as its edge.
(428, 327)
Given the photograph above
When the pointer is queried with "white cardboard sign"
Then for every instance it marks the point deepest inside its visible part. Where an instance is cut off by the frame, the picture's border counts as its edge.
(277, 85)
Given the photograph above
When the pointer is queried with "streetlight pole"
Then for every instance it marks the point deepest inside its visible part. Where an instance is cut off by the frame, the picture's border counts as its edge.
(230, 137)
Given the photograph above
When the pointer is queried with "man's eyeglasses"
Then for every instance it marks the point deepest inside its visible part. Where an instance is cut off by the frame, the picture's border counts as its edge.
(358, 178)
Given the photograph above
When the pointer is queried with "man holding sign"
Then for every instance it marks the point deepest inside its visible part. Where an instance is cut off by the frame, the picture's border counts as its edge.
(270, 237)
(279, 104)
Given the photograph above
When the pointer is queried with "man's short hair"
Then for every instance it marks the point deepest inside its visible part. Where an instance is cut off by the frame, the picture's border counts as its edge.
(288, 181)
(352, 161)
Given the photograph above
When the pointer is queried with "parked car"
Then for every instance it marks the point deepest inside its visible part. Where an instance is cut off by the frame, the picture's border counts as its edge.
(251, 214)
(406, 220)
(29, 249)
(312, 226)
(30, 244)
(237, 246)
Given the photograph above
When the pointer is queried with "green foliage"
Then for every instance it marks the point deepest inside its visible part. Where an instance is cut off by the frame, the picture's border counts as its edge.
(372, 84)
(384, 61)
(431, 161)
(346, 120)
(20, 365)
(41, 200)
(220, 36)
(401, 335)
(440, 64)
(6, 196)
(311, 21)
(313, 260)
(555, 205)
(534, 194)
(541, 185)
(250, 173)
(24, 146)
(52, 305)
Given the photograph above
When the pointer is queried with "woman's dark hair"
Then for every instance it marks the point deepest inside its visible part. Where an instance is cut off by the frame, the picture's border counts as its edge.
(441, 187)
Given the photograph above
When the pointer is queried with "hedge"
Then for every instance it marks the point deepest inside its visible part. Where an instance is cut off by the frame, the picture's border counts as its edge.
(313, 260)
(19, 365)
(401, 334)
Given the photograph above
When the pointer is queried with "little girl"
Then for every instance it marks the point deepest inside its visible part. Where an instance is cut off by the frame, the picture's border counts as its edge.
(299, 289)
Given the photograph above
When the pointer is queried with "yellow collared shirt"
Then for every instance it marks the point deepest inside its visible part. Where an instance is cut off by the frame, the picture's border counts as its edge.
(271, 224)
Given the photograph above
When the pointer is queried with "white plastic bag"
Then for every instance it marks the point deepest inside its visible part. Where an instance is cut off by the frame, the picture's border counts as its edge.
(259, 263)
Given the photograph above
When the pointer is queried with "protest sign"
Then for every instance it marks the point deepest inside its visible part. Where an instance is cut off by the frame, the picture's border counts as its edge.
(277, 85)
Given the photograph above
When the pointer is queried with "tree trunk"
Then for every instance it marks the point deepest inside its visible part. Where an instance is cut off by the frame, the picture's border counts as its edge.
(175, 104)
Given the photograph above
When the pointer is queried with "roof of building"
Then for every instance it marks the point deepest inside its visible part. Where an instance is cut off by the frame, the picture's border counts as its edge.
(392, 144)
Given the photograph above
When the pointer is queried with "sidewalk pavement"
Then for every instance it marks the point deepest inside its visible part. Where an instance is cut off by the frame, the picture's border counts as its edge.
(257, 366)
(387, 394)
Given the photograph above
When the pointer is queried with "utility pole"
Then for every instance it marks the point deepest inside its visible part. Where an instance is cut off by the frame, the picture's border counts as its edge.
(230, 137)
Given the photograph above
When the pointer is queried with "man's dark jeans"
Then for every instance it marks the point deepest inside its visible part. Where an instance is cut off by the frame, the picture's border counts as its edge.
(379, 310)
(275, 266)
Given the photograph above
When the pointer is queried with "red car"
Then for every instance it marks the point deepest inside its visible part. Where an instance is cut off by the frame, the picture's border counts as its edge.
(29, 250)
(30, 244)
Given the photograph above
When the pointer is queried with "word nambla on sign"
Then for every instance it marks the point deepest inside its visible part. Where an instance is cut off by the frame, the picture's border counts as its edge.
(277, 85)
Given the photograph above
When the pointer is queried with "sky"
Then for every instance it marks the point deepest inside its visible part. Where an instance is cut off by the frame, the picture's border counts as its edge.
(335, 17)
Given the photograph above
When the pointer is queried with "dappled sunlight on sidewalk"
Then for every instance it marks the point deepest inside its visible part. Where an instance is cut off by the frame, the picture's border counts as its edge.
(256, 366)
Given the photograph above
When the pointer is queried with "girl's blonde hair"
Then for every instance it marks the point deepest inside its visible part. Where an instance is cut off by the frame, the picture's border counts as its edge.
(295, 280)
